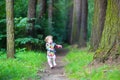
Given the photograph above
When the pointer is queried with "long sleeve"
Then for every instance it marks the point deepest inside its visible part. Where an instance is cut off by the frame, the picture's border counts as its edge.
(48, 46)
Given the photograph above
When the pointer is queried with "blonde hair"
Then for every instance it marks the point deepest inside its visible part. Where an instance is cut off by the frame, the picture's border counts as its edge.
(48, 37)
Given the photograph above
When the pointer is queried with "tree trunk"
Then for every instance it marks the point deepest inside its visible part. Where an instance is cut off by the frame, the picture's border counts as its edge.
(79, 24)
(50, 14)
(31, 17)
(10, 28)
(83, 29)
(43, 8)
(98, 23)
(76, 23)
(69, 22)
(109, 47)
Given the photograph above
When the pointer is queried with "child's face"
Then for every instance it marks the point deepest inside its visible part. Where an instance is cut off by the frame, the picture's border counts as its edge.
(50, 40)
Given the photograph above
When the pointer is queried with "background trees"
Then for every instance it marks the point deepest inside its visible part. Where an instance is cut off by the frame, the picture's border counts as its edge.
(85, 24)
(31, 17)
(37, 23)
(74, 22)
(83, 29)
(79, 23)
(69, 22)
(42, 7)
(50, 16)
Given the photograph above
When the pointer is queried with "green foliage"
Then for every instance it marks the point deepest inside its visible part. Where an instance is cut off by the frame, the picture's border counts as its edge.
(58, 24)
(90, 16)
(19, 12)
(2, 8)
(27, 40)
(24, 67)
(60, 20)
(21, 37)
(80, 59)
(43, 23)
(34, 41)
(21, 22)
(60, 10)
(105, 72)
(2, 36)
(20, 8)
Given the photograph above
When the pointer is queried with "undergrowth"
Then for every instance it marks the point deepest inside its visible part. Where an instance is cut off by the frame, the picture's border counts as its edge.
(23, 67)
(78, 67)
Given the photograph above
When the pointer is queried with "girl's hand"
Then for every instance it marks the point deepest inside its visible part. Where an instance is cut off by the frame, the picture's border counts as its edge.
(59, 46)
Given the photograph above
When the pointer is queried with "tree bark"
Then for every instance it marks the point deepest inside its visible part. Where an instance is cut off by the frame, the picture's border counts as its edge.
(76, 23)
(79, 23)
(43, 8)
(98, 23)
(10, 28)
(83, 29)
(69, 22)
(31, 17)
(109, 47)
(50, 14)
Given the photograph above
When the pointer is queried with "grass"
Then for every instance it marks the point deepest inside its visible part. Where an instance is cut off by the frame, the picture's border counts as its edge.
(24, 67)
(78, 69)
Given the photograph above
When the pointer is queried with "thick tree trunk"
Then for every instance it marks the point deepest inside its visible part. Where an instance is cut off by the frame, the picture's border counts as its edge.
(10, 28)
(31, 17)
(110, 43)
(83, 29)
(76, 23)
(98, 24)
(50, 14)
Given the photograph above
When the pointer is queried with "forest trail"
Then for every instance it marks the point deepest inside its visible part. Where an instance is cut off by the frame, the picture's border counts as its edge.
(58, 73)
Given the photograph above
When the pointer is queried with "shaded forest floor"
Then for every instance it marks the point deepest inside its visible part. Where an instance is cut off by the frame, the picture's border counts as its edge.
(58, 73)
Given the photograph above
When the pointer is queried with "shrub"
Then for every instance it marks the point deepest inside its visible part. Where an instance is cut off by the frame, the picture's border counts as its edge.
(25, 66)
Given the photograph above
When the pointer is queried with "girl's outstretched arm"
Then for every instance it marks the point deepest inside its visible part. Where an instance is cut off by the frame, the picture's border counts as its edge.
(59, 46)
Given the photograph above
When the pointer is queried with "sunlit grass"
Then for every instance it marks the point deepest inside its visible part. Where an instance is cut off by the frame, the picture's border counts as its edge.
(24, 67)
(78, 69)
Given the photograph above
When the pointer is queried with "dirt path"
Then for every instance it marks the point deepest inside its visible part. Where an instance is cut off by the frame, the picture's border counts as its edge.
(58, 72)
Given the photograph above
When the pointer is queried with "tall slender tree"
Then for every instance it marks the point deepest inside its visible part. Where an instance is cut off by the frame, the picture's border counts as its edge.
(50, 15)
(69, 21)
(98, 23)
(109, 47)
(43, 8)
(31, 17)
(10, 28)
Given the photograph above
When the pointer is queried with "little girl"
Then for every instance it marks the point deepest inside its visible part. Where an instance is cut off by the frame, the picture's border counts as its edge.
(50, 46)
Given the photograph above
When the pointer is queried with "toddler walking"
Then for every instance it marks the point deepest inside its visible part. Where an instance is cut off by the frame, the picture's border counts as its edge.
(50, 46)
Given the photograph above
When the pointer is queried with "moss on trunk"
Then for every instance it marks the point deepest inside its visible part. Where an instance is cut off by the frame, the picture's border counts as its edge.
(109, 45)
(98, 23)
